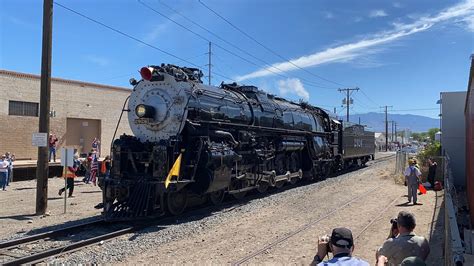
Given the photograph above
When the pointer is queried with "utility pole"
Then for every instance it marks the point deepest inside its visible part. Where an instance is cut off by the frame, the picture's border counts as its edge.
(209, 63)
(386, 126)
(396, 139)
(348, 99)
(42, 168)
(392, 123)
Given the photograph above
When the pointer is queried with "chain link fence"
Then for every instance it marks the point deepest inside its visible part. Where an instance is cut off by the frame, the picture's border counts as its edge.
(401, 162)
(453, 248)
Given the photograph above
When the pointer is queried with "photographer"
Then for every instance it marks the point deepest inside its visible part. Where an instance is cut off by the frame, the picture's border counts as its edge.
(406, 244)
(393, 229)
(341, 244)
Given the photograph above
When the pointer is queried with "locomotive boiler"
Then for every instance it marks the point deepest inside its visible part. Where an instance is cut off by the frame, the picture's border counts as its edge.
(193, 139)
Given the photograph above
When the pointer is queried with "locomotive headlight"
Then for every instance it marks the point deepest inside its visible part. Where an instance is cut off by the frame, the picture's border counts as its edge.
(143, 111)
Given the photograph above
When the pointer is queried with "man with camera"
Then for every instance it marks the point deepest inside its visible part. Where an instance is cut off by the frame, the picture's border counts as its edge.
(406, 244)
(341, 244)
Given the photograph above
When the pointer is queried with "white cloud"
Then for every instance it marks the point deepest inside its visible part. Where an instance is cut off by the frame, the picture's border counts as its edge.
(98, 60)
(357, 19)
(370, 44)
(469, 21)
(293, 86)
(377, 13)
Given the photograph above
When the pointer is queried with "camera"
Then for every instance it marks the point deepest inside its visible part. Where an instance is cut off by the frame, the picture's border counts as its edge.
(393, 229)
(327, 240)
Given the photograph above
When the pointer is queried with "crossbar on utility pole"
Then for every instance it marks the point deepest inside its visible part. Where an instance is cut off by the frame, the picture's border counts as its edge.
(348, 101)
(386, 126)
(42, 168)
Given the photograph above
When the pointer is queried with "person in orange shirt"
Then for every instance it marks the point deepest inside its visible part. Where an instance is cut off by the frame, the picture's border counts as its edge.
(70, 175)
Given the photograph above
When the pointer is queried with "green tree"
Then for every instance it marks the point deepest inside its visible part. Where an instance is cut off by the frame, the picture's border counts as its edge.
(432, 132)
(416, 136)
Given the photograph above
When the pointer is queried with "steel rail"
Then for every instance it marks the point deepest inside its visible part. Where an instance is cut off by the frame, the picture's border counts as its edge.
(44, 235)
(302, 228)
(38, 257)
(308, 225)
(376, 217)
(55, 251)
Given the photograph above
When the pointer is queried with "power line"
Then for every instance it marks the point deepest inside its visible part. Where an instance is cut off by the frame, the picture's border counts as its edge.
(362, 104)
(366, 96)
(135, 39)
(348, 99)
(235, 46)
(421, 109)
(265, 47)
(123, 33)
(309, 83)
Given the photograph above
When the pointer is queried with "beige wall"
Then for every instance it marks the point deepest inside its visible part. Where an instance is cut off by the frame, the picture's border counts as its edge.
(70, 99)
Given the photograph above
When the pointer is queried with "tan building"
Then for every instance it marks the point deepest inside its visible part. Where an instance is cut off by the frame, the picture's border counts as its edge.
(80, 111)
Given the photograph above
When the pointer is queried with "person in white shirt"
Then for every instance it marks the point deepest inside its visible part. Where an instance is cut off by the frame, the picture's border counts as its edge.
(10, 158)
(3, 172)
(341, 244)
(412, 179)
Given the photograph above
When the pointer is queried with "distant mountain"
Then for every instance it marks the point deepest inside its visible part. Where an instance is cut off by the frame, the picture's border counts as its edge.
(415, 123)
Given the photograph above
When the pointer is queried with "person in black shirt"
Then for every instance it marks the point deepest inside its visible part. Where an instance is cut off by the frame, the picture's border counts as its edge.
(431, 171)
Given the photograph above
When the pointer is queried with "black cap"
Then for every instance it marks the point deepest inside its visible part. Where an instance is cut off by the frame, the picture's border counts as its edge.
(342, 237)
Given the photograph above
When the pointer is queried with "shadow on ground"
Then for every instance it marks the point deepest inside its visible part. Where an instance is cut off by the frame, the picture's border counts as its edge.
(436, 232)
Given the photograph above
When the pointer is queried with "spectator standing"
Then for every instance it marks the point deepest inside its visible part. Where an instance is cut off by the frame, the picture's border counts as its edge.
(406, 244)
(412, 179)
(341, 244)
(10, 158)
(87, 166)
(3, 172)
(52, 146)
(432, 165)
(108, 165)
(70, 175)
(96, 146)
(94, 168)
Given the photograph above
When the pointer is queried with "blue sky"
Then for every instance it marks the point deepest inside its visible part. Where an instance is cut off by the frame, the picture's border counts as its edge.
(399, 53)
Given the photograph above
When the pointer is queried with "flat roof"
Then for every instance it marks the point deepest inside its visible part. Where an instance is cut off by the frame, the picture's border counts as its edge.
(61, 80)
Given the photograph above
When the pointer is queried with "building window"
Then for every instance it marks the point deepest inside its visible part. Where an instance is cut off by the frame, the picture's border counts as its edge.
(22, 108)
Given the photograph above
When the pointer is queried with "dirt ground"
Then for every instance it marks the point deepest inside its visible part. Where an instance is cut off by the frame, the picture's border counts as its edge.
(291, 226)
(18, 206)
(242, 235)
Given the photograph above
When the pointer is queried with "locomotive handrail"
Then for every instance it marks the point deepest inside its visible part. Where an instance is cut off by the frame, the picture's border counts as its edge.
(302, 132)
(118, 123)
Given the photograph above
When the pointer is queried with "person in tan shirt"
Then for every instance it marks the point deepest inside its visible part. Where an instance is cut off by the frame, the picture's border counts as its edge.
(406, 244)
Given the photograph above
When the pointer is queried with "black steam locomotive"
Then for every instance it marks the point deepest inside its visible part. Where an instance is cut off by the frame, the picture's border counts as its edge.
(190, 138)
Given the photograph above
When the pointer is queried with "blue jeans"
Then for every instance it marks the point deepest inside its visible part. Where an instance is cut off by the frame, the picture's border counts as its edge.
(52, 150)
(7, 180)
(3, 180)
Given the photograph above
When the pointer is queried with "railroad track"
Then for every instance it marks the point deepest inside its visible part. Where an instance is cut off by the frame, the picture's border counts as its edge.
(57, 242)
(310, 224)
(36, 248)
